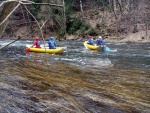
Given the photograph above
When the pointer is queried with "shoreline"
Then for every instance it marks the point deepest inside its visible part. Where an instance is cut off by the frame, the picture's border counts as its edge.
(117, 40)
(138, 37)
(127, 40)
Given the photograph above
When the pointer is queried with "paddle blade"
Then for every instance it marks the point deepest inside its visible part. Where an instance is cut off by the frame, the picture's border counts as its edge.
(107, 49)
(27, 50)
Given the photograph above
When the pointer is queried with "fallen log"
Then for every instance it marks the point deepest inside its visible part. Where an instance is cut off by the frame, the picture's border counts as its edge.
(10, 43)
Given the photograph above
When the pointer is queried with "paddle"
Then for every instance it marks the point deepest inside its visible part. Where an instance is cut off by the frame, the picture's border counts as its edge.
(107, 49)
(28, 49)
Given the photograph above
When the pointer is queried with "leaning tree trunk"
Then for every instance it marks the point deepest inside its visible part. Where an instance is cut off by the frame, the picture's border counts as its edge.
(5, 11)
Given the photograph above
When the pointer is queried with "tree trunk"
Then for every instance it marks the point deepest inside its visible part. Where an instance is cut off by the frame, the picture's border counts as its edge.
(115, 13)
(119, 2)
(146, 31)
(109, 1)
(6, 10)
(64, 19)
(115, 8)
(81, 7)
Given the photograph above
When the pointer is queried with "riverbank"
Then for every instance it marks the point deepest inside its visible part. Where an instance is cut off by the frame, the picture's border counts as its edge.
(131, 37)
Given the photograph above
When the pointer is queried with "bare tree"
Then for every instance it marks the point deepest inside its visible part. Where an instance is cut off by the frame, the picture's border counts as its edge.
(81, 7)
(8, 6)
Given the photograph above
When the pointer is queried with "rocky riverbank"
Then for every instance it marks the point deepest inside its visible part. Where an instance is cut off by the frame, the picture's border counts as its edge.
(132, 37)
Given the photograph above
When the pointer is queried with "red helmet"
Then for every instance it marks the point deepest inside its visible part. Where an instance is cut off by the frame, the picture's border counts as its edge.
(36, 38)
(90, 36)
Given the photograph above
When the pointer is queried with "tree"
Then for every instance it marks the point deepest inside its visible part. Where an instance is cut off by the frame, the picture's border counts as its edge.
(8, 7)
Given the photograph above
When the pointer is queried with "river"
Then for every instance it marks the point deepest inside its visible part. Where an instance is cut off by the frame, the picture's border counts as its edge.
(78, 80)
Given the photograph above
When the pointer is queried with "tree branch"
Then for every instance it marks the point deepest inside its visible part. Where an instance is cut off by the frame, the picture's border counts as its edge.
(10, 43)
(9, 14)
(40, 27)
(43, 4)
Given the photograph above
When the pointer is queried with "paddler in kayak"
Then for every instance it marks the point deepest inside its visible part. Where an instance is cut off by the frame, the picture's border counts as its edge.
(100, 42)
(52, 43)
(90, 40)
(36, 43)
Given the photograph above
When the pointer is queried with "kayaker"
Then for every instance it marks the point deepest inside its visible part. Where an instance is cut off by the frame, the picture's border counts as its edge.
(51, 43)
(36, 43)
(90, 41)
(100, 42)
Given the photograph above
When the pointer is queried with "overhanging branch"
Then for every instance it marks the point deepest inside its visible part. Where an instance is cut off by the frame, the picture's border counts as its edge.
(43, 4)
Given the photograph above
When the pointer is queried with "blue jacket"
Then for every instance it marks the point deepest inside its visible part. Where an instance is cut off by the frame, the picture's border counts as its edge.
(51, 43)
(90, 41)
(100, 42)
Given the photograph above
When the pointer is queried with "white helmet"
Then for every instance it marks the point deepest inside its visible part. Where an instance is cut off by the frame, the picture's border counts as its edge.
(100, 37)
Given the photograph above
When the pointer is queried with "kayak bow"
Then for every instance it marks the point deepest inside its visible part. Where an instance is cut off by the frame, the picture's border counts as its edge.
(92, 47)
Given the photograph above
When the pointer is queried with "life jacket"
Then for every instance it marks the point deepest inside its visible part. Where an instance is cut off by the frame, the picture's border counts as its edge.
(51, 44)
(38, 43)
(90, 41)
(100, 42)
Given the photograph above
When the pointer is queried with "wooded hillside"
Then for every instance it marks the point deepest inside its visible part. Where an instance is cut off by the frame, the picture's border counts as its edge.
(61, 18)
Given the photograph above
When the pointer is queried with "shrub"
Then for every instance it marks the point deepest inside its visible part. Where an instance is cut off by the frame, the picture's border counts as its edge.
(135, 30)
(74, 24)
(35, 8)
(92, 32)
(102, 24)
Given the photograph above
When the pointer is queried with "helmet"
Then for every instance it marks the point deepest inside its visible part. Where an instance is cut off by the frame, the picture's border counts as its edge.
(36, 38)
(51, 38)
(100, 37)
(90, 36)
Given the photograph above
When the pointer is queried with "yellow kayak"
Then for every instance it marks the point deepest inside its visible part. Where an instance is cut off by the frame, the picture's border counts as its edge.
(44, 50)
(92, 47)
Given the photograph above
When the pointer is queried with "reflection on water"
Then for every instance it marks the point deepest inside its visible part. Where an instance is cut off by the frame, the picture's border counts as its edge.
(42, 83)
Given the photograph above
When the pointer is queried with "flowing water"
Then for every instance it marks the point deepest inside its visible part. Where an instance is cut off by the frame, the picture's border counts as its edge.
(77, 81)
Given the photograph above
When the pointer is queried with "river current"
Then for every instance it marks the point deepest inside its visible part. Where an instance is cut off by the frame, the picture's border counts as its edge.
(77, 80)
(123, 55)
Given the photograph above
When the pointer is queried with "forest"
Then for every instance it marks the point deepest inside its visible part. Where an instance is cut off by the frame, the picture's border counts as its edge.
(65, 19)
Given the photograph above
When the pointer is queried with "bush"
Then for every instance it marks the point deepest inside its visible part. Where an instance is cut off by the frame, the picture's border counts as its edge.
(57, 11)
(98, 25)
(135, 30)
(102, 24)
(35, 8)
(74, 24)
(61, 32)
(92, 32)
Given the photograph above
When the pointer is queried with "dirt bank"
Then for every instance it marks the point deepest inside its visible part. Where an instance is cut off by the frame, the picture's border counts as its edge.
(131, 37)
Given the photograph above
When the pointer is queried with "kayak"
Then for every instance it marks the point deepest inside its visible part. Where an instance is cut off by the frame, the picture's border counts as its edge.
(92, 47)
(44, 50)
